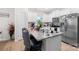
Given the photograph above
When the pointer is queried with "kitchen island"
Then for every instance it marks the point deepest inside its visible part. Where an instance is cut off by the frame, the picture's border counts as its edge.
(52, 42)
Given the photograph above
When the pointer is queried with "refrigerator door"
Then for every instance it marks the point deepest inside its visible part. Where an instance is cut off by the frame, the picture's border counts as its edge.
(70, 34)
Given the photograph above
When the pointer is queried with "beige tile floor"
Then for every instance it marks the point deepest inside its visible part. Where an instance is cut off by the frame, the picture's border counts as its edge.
(19, 46)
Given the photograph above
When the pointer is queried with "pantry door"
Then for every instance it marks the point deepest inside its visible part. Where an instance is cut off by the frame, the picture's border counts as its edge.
(4, 24)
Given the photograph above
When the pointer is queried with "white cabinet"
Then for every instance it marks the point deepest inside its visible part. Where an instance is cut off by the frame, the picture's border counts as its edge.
(52, 44)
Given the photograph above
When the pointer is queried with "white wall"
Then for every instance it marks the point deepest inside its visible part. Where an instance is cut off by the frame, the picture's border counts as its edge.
(20, 21)
(5, 21)
(58, 13)
(32, 16)
(17, 16)
(10, 11)
(48, 17)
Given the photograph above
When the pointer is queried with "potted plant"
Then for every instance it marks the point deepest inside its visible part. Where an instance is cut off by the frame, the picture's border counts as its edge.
(39, 24)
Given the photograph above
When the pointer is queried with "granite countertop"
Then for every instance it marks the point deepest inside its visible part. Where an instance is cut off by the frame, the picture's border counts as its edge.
(40, 36)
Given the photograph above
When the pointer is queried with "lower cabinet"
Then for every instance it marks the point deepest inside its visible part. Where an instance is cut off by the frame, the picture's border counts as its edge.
(52, 44)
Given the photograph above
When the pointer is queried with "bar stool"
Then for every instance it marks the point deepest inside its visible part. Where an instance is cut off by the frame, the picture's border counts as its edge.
(36, 44)
(26, 39)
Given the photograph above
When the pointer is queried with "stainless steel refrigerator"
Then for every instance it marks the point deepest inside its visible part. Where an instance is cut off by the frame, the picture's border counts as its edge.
(71, 29)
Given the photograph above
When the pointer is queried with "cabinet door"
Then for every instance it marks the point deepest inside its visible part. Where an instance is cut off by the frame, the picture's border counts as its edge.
(52, 44)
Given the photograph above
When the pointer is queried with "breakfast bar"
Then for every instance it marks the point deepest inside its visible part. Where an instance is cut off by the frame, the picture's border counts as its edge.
(51, 42)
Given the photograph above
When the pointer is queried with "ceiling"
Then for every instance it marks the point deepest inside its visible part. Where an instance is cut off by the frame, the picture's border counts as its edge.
(44, 10)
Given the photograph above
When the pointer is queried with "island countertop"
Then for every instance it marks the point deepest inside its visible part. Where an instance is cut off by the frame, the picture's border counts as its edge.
(40, 36)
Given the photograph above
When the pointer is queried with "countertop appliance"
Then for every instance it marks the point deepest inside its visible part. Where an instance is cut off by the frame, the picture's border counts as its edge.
(55, 22)
(71, 32)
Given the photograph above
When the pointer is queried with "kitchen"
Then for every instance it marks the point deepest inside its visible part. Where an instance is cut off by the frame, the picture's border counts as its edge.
(44, 29)
(47, 27)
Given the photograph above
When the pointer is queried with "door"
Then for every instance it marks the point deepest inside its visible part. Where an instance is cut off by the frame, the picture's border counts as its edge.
(4, 24)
